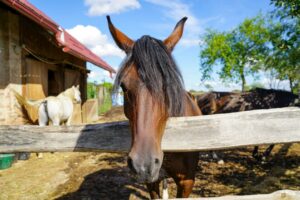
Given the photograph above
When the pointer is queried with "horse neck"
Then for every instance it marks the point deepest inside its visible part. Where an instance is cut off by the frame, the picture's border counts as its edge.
(67, 93)
(191, 107)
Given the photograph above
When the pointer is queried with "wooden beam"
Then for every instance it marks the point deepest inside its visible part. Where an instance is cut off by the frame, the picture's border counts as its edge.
(209, 132)
(223, 131)
(278, 195)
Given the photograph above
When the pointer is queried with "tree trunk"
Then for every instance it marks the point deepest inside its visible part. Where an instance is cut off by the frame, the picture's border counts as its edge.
(243, 81)
(291, 84)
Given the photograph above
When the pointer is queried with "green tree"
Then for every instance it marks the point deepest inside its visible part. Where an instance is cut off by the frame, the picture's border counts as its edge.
(91, 90)
(107, 85)
(254, 85)
(287, 8)
(209, 87)
(284, 55)
(240, 52)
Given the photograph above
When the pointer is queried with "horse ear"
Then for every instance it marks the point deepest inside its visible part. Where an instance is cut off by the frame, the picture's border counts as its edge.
(123, 42)
(175, 36)
(77, 86)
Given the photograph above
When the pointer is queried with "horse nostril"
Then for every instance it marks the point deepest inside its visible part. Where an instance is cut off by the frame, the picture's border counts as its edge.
(130, 165)
(156, 161)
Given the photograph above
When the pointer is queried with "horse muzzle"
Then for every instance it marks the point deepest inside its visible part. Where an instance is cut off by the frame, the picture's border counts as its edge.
(145, 170)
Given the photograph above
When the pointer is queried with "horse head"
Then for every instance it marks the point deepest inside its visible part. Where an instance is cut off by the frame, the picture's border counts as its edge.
(153, 91)
(76, 94)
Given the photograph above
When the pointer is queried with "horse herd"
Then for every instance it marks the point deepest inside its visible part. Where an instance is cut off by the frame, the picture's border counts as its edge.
(153, 91)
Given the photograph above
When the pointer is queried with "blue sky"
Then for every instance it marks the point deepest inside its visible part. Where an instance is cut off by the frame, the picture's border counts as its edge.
(85, 19)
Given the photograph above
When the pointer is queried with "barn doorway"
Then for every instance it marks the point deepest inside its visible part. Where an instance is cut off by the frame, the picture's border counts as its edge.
(53, 86)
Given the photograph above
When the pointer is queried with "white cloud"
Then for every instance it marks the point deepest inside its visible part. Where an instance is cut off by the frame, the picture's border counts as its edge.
(191, 42)
(96, 41)
(99, 76)
(94, 74)
(175, 10)
(103, 7)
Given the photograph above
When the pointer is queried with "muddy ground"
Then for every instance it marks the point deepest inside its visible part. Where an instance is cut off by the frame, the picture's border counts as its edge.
(91, 176)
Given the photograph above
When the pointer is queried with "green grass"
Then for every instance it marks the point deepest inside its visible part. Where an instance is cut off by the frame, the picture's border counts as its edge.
(106, 106)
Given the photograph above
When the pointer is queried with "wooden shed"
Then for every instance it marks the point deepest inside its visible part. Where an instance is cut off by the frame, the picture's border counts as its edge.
(38, 58)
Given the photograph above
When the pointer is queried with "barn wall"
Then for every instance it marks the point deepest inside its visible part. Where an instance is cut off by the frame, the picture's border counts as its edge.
(4, 54)
(10, 66)
(22, 71)
(43, 45)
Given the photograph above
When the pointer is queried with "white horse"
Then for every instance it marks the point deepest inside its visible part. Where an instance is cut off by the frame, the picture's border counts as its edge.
(59, 109)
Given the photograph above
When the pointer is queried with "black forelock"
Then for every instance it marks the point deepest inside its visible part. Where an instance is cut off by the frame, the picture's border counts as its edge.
(158, 71)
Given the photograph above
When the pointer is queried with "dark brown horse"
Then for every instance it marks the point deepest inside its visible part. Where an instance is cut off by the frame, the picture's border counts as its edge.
(259, 98)
(153, 92)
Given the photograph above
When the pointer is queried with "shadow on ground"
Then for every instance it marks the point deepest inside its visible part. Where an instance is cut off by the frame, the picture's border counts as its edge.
(239, 175)
(114, 183)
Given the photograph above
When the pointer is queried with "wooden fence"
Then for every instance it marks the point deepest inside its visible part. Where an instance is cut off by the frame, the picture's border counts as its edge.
(278, 195)
(199, 133)
(208, 132)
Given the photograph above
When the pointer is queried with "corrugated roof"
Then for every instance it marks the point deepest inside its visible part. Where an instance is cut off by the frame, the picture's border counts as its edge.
(68, 43)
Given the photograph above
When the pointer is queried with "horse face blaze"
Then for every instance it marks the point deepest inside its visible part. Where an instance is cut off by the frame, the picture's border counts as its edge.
(145, 156)
(147, 117)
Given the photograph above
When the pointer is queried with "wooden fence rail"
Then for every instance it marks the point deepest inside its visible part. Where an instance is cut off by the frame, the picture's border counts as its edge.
(210, 132)
(278, 195)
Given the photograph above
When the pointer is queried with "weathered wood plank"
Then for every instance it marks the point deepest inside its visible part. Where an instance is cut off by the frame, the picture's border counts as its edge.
(278, 195)
(234, 129)
(182, 134)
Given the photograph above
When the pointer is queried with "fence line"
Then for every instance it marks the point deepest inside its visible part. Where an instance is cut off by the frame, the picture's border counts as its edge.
(278, 195)
(210, 132)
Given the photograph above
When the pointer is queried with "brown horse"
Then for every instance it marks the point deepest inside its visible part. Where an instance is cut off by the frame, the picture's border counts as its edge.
(153, 92)
(258, 98)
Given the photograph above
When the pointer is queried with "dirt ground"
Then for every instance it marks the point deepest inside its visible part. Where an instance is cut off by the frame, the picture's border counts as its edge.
(93, 176)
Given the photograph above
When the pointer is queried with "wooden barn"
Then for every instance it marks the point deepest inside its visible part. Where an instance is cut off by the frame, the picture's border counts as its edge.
(38, 58)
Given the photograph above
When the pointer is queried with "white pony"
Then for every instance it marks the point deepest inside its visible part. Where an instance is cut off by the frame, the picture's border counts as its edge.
(57, 109)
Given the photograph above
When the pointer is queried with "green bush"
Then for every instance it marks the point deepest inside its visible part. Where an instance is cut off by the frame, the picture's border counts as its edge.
(92, 90)
(107, 103)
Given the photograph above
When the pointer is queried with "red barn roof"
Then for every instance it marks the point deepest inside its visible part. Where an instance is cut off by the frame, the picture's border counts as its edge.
(68, 43)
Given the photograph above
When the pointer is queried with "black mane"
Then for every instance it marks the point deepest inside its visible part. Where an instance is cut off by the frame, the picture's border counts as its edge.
(158, 71)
